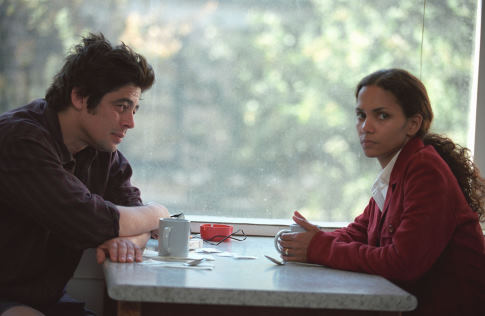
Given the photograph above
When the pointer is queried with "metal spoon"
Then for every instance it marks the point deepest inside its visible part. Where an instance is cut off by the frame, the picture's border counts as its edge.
(194, 262)
(274, 260)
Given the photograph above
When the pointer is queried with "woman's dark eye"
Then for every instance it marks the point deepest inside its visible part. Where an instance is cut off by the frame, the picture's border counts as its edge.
(360, 115)
(383, 116)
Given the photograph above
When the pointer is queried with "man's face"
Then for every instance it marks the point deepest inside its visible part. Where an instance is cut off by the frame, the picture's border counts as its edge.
(105, 126)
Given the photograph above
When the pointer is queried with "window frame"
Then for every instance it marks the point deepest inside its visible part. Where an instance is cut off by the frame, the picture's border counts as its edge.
(478, 95)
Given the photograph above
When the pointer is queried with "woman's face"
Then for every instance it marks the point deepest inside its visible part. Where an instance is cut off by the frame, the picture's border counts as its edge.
(381, 124)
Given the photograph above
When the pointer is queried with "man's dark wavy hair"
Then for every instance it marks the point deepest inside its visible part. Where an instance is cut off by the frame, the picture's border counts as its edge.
(95, 68)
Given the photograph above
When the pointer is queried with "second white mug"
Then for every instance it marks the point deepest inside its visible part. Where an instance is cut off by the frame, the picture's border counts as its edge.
(294, 228)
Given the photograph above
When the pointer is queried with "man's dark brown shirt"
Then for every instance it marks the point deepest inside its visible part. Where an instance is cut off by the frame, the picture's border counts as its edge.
(53, 205)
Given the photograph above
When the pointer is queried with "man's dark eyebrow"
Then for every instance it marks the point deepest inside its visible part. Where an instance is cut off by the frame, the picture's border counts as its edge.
(126, 100)
(123, 100)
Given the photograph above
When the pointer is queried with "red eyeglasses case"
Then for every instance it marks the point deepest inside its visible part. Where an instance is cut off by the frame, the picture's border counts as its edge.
(209, 231)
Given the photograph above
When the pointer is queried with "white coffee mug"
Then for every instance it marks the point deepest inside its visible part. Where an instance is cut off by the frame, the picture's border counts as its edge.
(173, 240)
(294, 228)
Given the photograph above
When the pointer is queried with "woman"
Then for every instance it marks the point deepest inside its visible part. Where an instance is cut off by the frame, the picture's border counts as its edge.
(421, 227)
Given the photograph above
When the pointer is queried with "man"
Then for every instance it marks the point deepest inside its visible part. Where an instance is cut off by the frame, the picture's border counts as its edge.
(64, 186)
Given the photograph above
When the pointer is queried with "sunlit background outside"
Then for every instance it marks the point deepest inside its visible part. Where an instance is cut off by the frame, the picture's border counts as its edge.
(252, 112)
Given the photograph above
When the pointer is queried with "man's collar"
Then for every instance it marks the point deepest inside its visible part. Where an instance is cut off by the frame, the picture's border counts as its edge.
(55, 129)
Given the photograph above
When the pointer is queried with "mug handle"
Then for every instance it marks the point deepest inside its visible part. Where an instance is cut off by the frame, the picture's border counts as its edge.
(277, 236)
(165, 234)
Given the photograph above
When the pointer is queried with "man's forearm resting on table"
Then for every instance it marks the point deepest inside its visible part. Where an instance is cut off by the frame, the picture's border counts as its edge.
(135, 220)
(139, 240)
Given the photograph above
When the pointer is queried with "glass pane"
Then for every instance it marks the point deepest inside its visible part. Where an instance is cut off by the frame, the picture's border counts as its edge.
(252, 113)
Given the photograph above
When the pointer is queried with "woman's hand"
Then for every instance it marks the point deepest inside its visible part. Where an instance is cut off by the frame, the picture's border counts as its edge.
(295, 245)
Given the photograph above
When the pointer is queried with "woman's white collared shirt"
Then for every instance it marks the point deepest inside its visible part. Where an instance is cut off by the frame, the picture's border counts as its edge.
(379, 189)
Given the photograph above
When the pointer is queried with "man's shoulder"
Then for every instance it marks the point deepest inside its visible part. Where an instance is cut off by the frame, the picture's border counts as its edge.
(28, 121)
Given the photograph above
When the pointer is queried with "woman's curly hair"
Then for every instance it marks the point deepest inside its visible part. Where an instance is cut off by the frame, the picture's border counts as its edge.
(465, 171)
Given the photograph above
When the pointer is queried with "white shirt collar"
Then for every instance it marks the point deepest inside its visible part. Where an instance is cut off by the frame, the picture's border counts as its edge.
(379, 189)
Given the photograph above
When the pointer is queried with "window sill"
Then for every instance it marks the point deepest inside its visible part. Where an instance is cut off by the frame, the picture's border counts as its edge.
(254, 226)
(259, 226)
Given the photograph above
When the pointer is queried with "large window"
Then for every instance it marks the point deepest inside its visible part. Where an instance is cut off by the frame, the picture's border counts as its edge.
(252, 113)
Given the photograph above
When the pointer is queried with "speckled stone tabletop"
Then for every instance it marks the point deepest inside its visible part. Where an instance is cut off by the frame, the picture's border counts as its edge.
(255, 282)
